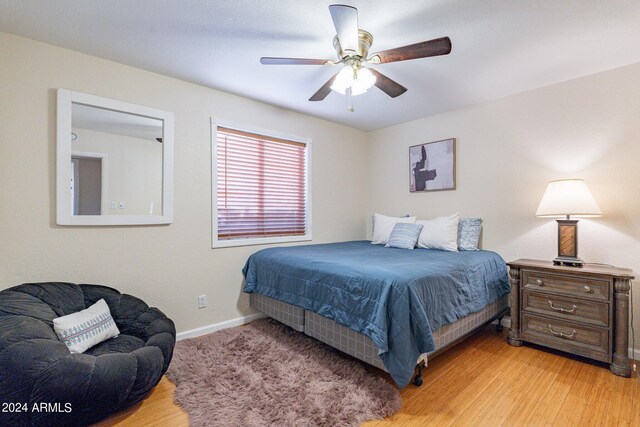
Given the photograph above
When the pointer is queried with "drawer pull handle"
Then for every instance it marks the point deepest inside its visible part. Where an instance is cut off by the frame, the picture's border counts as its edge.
(563, 334)
(587, 289)
(563, 310)
(539, 282)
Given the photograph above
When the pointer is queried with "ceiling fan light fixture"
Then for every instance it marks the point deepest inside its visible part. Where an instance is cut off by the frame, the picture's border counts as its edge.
(363, 82)
(343, 80)
(352, 46)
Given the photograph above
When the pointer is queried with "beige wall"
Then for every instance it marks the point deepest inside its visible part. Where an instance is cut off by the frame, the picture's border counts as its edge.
(168, 266)
(507, 151)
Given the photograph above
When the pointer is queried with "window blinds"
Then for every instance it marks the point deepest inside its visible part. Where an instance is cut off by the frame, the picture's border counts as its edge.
(261, 186)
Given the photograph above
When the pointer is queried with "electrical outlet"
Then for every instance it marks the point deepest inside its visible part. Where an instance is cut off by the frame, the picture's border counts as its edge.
(202, 301)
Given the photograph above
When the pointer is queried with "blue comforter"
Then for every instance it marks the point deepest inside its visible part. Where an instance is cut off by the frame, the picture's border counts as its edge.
(396, 297)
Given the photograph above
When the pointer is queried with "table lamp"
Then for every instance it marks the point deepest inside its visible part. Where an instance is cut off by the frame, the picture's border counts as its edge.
(566, 198)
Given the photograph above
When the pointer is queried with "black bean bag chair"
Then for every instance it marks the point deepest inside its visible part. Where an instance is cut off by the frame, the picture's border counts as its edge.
(43, 384)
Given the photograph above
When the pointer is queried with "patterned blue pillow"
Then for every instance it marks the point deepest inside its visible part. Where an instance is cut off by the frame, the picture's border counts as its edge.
(469, 234)
(404, 236)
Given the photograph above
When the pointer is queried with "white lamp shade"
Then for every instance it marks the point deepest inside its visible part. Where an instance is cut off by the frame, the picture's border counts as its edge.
(568, 197)
(359, 81)
(357, 89)
(343, 80)
(363, 82)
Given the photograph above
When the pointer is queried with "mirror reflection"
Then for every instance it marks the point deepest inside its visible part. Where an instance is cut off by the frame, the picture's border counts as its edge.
(116, 162)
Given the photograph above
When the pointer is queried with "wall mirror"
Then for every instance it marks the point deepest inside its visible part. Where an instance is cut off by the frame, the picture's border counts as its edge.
(114, 162)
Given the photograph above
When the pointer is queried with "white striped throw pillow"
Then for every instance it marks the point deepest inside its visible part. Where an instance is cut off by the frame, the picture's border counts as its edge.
(84, 329)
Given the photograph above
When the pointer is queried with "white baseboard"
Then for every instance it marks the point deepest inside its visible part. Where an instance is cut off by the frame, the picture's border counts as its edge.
(203, 330)
(506, 322)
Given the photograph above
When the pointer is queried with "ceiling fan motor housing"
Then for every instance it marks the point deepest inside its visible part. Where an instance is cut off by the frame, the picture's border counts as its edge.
(365, 40)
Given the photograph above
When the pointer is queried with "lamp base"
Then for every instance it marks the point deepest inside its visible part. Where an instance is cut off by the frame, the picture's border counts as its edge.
(568, 243)
(569, 261)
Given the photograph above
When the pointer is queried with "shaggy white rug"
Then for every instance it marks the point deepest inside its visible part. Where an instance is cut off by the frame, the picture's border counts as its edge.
(267, 374)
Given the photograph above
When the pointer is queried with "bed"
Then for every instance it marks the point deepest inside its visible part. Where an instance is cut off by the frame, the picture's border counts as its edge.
(388, 307)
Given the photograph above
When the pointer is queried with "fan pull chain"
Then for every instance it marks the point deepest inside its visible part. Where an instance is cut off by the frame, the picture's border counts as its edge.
(350, 106)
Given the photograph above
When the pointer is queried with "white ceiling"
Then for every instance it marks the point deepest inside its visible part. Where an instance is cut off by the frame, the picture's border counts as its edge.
(500, 47)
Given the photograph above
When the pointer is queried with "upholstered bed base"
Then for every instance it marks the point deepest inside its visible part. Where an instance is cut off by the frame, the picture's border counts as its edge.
(360, 346)
(283, 312)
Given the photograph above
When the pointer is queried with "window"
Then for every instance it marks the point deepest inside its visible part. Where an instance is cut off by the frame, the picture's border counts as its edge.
(260, 188)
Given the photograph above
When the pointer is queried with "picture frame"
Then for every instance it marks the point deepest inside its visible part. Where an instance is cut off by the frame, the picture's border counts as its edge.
(432, 166)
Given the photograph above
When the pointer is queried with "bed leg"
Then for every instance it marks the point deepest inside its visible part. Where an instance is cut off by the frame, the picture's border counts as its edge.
(499, 326)
(417, 380)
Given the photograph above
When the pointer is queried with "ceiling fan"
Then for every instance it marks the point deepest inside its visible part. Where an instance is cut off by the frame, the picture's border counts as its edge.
(352, 46)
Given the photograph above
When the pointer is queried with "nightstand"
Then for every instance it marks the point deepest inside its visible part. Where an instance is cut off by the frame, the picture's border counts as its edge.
(579, 310)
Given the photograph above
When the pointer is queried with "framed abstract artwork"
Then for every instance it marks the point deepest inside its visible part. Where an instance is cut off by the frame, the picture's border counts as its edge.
(432, 166)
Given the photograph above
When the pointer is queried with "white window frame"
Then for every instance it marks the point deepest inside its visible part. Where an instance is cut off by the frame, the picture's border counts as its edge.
(215, 243)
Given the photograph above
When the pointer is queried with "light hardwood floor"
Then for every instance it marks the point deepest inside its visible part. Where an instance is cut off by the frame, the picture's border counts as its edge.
(480, 382)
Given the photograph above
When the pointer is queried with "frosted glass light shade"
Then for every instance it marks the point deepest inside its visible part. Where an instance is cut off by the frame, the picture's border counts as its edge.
(359, 81)
(343, 80)
(568, 197)
(363, 82)
(357, 89)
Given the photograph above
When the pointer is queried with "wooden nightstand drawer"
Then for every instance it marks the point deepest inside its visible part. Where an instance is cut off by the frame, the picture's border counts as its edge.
(572, 337)
(573, 309)
(572, 285)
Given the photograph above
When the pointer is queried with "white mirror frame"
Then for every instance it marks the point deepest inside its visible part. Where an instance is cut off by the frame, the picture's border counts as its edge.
(64, 215)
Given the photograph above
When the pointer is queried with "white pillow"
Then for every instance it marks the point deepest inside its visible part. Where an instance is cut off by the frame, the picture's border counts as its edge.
(86, 328)
(440, 233)
(383, 226)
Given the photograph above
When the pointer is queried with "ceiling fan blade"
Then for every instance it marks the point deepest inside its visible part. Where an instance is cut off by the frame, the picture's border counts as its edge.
(435, 47)
(388, 86)
(345, 19)
(268, 60)
(324, 90)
